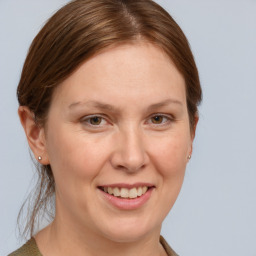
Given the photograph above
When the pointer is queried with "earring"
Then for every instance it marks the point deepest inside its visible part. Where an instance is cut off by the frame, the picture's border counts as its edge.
(39, 158)
(189, 157)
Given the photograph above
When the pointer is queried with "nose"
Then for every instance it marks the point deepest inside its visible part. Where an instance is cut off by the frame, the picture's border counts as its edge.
(129, 153)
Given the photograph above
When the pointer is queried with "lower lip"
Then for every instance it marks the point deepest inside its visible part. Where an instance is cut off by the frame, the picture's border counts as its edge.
(126, 203)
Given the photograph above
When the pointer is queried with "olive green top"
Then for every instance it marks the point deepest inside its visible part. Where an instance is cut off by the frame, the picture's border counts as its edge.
(31, 249)
(28, 249)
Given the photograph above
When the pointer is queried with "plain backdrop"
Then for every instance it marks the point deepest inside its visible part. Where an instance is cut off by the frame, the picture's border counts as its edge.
(215, 213)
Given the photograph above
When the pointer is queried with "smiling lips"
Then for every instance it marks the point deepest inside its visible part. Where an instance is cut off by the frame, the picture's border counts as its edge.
(127, 197)
(125, 192)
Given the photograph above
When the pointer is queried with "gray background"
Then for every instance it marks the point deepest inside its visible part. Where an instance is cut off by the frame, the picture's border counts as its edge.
(216, 210)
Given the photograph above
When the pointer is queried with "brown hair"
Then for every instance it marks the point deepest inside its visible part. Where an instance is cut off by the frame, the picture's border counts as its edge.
(78, 31)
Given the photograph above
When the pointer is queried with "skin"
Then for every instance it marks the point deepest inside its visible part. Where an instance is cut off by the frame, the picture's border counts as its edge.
(141, 135)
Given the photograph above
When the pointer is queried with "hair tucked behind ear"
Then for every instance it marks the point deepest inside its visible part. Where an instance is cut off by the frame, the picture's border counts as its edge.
(77, 32)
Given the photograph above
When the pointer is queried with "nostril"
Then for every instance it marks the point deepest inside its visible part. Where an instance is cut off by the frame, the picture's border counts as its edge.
(120, 167)
(130, 168)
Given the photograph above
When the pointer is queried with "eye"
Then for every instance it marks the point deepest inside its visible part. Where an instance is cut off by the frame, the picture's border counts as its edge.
(94, 120)
(157, 119)
(160, 119)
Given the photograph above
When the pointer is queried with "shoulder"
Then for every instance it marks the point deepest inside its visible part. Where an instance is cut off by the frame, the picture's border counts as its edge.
(28, 249)
(168, 249)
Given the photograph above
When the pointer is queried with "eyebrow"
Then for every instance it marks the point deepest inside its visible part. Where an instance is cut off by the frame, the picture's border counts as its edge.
(164, 103)
(105, 106)
(95, 104)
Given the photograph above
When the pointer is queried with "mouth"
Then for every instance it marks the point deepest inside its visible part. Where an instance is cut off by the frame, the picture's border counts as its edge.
(126, 193)
(127, 196)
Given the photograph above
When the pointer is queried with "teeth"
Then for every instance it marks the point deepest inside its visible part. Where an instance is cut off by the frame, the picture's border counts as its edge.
(116, 192)
(125, 192)
(110, 190)
(139, 191)
(133, 193)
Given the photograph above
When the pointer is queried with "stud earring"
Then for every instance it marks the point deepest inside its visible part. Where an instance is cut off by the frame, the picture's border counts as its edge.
(39, 158)
(189, 157)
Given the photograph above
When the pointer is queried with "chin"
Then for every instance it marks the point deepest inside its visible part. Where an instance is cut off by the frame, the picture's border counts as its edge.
(123, 237)
(129, 232)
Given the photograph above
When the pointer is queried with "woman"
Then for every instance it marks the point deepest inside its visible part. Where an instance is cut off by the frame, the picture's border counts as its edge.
(108, 101)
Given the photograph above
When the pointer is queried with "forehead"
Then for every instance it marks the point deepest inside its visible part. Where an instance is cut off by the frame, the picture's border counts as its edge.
(138, 70)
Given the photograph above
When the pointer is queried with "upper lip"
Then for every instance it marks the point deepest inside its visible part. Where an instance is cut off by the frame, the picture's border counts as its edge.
(128, 186)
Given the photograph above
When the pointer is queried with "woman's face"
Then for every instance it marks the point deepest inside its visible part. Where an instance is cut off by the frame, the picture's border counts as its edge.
(118, 140)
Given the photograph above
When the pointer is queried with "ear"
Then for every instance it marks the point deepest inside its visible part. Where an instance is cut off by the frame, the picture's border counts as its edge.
(35, 134)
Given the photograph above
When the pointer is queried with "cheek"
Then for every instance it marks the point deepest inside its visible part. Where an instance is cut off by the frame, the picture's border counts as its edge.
(74, 157)
(170, 155)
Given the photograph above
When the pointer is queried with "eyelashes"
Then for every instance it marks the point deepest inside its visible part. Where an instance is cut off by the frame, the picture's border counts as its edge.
(100, 121)
(160, 119)
(95, 121)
